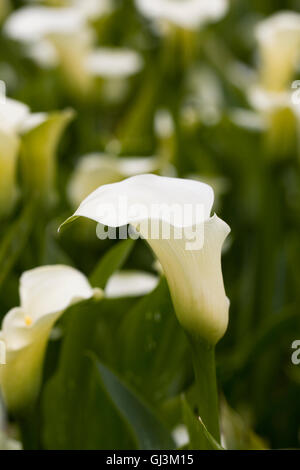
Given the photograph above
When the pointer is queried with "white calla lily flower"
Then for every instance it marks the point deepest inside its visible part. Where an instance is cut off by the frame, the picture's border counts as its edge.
(280, 118)
(38, 134)
(60, 37)
(279, 44)
(63, 37)
(130, 284)
(187, 14)
(188, 241)
(97, 169)
(45, 293)
(13, 114)
(32, 23)
(55, 37)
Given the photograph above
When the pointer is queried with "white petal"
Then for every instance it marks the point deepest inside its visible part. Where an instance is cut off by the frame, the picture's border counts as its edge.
(195, 278)
(17, 334)
(130, 284)
(51, 289)
(277, 26)
(31, 121)
(181, 436)
(247, 119)
(34, 23)
(279, 42)
(146, 197)
(266, 100)
(14, 333)
(110, 62)
(188, 14)
(12, 114)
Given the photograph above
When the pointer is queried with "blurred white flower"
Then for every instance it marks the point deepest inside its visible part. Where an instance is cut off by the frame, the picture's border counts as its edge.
(114, 66)
(55, 37)
(193, 273)
(280, 115)
(181, 436)
(63, 37)
(12, 115)
(45, 292)
(31, 24)
(130, 284)
(250, 120)
(15, 122)
(95, 170)
(164, 126)
(39, 134)
(187, 14)
(266, 101)
(205, 97)
(278, 38)
(109, 62)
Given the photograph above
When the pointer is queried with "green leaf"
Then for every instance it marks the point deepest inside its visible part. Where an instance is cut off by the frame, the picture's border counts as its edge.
(38, 153)
(13, 243)
(113, 260)
(200, 437)
(84, 407)
(77, 412)
(149, 431)
(153, 353)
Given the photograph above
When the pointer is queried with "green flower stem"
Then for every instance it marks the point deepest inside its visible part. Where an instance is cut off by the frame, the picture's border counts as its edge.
(203, 355)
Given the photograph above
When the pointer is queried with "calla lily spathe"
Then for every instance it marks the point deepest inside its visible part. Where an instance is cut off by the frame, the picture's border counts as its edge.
(188, 14)
(194, 275)
(12, 114)
(278, 38)
(64, 37)
(45, 293)
(33, 137)
(54, 36)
